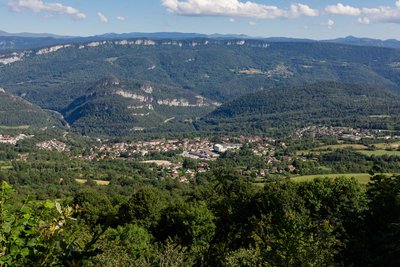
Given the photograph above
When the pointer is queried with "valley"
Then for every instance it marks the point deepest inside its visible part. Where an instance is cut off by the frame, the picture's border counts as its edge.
(125, 150)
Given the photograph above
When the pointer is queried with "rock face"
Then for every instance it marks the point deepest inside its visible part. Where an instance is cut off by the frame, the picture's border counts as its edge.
(183, 102)
(10, 58)
(134, 96)
(150, 100)
(147, 88)
(52, 49)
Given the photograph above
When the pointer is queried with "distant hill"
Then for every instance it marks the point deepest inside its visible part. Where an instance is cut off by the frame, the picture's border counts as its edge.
(34, 35)
(326, 103)
(17, 112)
(112, 107)
(182, 74)
(351, 40)
(218, 70)
(16, 41)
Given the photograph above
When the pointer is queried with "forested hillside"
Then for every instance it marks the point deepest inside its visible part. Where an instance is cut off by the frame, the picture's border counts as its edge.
(218, 70)
(325, 103)
(17, 112)
(189, 78)
(114, 107)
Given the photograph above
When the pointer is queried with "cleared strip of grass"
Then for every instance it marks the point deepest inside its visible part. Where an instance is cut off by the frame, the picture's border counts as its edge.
(6, 167)
(387, 145)
(15, 127)
(379, 152)
(362, 178)
(342, 146)
(98, 182)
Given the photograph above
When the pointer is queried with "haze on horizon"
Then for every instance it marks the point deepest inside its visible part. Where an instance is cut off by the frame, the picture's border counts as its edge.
(265, 18)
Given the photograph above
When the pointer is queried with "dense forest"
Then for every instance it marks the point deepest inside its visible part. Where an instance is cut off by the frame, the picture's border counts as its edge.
(325, 103)
(190, 78)
(223, 221)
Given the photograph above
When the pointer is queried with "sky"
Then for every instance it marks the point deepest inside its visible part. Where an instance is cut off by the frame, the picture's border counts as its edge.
(314, 19)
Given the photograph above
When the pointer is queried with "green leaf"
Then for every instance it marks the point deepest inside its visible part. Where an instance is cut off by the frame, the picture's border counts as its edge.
(26, 209)
(31, 243)
(5, 186)
(48, 204)
(7, 227)
(14, 249)
(24, 252)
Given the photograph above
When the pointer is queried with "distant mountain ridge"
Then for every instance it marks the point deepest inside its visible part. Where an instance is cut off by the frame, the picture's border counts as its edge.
(351, 40)
(165, 82)
(15, 41)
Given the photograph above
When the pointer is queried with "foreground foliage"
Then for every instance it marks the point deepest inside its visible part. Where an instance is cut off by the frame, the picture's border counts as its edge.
(225, 222)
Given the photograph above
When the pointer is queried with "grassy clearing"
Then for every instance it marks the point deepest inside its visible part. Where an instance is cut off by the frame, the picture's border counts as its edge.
(21, 127)
(342, 146)
(387, 145)
(5, 165)
(379, 152)
(362, 178)
(112, 60)
(164, 163)
(98, 182)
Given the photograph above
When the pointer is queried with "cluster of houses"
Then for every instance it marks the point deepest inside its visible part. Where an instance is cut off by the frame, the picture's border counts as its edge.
(53, 145)
(353, 134)
(197, 148)
(12, 140)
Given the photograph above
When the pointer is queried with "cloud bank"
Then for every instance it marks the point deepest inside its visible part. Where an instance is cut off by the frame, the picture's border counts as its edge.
(41, 6)
(251, 9)
(389, 14)
(236, 8)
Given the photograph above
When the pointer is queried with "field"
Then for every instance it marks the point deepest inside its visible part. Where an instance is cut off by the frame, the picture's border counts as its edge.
(164, 163)
(362, 178)
(5, 165)
(380, 149)
(380, 152)
(342, 146)
(22, 127)
(98, 182)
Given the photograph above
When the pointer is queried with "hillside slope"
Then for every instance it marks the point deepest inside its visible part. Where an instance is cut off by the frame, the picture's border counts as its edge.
(17, 112)
(115, 107)
(220, 70)
(321, 103)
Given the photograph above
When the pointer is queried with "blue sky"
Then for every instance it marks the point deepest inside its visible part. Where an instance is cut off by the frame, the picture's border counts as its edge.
(314, 19)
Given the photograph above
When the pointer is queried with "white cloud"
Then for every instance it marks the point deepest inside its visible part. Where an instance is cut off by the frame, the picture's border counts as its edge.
(232, 20)
(341, 9)
(236, 8)
(368, 15)
(364, 20)
(121, 18)
(329, 24)
(304, 10)
(252, 23)
(41, 6)
(102, 18)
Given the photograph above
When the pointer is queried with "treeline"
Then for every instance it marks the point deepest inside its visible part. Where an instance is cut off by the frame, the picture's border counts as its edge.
(224, 222)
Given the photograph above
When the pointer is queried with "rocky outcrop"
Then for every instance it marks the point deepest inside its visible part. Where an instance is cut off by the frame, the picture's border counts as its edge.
(52, 49)
(147, 88)
(135, 96)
